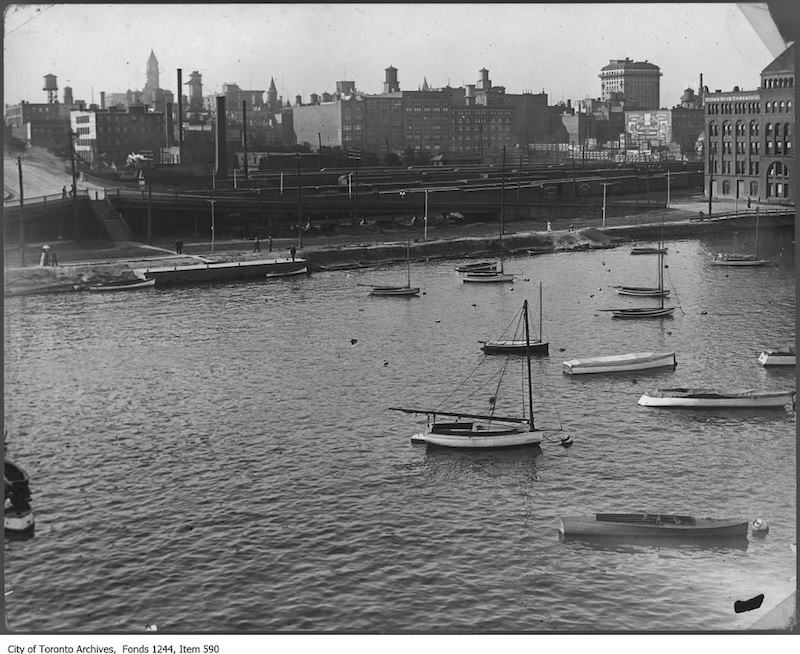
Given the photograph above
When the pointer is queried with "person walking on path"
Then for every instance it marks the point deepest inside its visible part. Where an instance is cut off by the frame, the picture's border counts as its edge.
(179, 246)
(748, 201)
(63, 192)
(257, 245)
(293, 251)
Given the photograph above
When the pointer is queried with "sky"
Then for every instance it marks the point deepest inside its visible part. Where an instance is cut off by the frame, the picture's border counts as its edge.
(557, 48)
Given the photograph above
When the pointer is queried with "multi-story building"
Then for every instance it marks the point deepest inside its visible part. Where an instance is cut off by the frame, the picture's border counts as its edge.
(636, 82)
(44, 124)
(748, 136)
(672, 132)
(479, 118)
(152, 94)
(105, 138)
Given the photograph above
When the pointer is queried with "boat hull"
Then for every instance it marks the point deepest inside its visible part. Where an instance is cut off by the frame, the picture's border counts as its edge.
(483, 266)
(590, 526)
(477, 440)
(733, 260)
(628, 314)
(487, 278)
(776, 358)
(649, 251)
(123, 286)
(395, 291)
(515, 347)
(227, 271)
(712, 400)
(20, 523)
(620, 363)
(640, 291)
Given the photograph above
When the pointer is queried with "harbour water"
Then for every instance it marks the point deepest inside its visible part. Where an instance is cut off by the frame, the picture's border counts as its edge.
(221, 458)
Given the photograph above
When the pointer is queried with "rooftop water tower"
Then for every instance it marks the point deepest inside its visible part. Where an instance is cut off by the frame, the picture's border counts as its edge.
(51, 87)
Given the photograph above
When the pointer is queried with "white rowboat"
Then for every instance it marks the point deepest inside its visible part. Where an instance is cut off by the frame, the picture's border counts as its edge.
(620, 363)
(711, 398)
(775, 357)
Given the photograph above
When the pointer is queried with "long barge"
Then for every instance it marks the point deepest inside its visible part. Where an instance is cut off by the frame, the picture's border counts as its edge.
(224, 271)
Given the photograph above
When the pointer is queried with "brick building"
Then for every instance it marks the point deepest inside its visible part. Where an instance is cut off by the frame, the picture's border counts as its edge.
(749, 137)
(105, 138)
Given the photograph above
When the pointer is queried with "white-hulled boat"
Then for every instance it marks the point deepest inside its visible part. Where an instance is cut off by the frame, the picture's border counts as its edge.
(484, 431)
(651, 525)
(712, 398)
(620, 363)
(777, 357)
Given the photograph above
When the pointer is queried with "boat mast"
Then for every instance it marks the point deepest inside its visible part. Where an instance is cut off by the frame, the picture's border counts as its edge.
(528, 356)
(541, 335)
(661, 276)
(408, 266)
(502, 203)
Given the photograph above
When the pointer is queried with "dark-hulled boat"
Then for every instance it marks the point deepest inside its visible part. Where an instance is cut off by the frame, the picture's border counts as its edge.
(651, 525)
(17, 513)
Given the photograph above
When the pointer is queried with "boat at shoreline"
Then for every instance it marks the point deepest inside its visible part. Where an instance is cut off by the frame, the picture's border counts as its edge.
(620, 363)
(224, 271)
(122, 285)
(734, 259)
(650, 525)
(486, 430)
(712, 398)
(777, 357)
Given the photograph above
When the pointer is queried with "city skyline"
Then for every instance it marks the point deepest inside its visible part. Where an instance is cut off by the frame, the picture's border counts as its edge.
(555, 48)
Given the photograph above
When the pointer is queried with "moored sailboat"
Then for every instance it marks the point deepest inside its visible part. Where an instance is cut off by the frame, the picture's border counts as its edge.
(735, 259)
(399, 291)
(486, 430)
(660, 311)
(519, 346)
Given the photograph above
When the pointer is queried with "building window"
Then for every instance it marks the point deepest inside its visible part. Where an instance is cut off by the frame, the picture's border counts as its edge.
(726, 187)
(754, 189)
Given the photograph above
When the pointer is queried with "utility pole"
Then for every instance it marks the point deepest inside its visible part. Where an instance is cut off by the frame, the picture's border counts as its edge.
(503, 191)
(21, 218)
(74, 185)
(519, 172)
(149, 206)
(710, 186)
(319, 149)
(299, 207)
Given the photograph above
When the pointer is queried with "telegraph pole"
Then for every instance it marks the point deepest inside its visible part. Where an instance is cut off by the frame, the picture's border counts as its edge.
(149, 203)
(74, 185)
(244, 136)
(21, 218)
(299, 207)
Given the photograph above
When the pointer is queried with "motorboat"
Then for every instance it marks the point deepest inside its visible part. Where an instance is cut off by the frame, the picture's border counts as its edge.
(651, 525)
(712, 398)
(620, 363)
(777, 357)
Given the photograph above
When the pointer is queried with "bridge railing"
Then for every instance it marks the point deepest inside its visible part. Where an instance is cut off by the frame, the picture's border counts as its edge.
(746, 213)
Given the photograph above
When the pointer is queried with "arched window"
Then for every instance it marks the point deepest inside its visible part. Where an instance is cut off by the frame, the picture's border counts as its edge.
(777, 129)
(768, 130)
(789, 106)
(753, 128)
(777, 169)
(767, 107)
(782, 107)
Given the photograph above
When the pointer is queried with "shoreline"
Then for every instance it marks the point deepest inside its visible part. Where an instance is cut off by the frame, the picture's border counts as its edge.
(326, 254)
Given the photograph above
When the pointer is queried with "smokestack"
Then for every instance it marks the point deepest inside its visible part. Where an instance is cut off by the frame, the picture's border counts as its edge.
(102, 99)
(169, 126)
(221, 149)
(180, 115)
(700, 90)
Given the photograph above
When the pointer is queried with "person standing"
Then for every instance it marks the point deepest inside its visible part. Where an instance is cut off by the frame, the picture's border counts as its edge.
(257, 245)
(293, 251)
(270, 242)
(63, 192)
(179, 246)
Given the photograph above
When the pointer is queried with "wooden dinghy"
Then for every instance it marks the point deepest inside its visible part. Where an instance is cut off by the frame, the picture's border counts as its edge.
(712, 398)
(651, 525)
(620, 363)
(777, 357)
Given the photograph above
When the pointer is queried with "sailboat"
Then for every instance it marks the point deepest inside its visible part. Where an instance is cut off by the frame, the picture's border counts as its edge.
(519, 346)
(493, 275)
(648, 291)
(406, 290)
(485, 431)
(648, 312)
(721, 259)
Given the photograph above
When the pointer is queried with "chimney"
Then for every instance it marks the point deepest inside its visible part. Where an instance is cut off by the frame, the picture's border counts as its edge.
(68, 95)
(102, 100)
(298, 100)
(221, 171)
